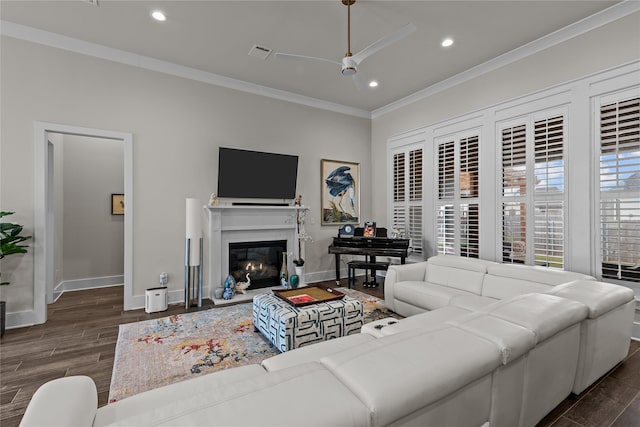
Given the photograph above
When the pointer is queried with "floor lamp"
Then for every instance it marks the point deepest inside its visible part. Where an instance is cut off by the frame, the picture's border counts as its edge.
(193, 255)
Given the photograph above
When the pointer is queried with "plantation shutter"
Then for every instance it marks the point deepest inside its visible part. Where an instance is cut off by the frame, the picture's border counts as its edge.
(398, 177)
(457, 224)
(514, 170)
(469, 230)
(446, 170)
(446, 229)
(469, 167)
(514, 185)
(407, 195)
(415, 200)
(620, 190)
(514, 232)
(549, 188)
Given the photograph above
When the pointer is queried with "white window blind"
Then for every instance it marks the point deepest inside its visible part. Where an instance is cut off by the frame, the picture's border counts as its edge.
(457, 223)
(514, 170)
(620, 189)
(407, 195)
(533, 224)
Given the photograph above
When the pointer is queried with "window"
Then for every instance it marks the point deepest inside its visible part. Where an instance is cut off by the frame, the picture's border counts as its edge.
(407, 195)
(533, 205)
(457, 217)
(619, 141)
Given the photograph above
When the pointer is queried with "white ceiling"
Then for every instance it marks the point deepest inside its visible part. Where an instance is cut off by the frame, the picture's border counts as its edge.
(216, 36)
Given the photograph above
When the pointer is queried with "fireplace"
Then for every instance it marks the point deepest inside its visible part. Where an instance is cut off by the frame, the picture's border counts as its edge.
(261, 260)
(229, 224)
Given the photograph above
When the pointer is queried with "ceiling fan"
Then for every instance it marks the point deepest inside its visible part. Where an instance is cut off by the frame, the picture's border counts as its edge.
(350, 62)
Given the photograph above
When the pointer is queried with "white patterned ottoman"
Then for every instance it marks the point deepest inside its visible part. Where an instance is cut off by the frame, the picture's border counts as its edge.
(289, 327)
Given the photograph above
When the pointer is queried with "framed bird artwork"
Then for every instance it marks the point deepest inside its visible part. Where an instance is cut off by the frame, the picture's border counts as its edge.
(340, 192)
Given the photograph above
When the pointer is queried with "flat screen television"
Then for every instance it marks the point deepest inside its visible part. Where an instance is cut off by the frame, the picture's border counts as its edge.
(256, 175)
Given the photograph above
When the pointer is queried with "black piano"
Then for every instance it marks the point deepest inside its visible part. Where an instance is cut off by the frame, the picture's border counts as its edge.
(369, 247)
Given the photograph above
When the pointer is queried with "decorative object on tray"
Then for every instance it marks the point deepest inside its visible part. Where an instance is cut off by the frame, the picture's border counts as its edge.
(241, 287)
(340, 203)
(284, 273)
(294, 280)
(369, 229)
(308, 295)
(217, 292)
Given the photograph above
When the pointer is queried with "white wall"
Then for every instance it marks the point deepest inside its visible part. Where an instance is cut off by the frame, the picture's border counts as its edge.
(602, 48)
(177, 127)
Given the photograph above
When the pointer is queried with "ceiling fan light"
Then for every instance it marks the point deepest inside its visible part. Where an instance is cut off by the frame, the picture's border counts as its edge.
(348, 71)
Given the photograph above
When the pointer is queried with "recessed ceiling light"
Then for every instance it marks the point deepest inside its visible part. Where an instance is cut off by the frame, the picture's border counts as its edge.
(447, 42)
(158, 15)
(373, 83)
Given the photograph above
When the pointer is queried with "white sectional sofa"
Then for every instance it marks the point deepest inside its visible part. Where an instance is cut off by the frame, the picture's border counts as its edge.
(483, 345)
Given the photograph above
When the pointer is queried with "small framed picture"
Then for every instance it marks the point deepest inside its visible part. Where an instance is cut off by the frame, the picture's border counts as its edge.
(117, 204)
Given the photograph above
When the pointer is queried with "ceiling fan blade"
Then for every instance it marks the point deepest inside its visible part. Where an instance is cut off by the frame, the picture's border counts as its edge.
(359, 81)
(384, 42)
(305, 58)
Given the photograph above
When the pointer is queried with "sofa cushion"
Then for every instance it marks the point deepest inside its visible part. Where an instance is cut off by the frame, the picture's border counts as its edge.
(314, 352)
(166, 395)
(461, 273)
(399, 374)
(259, 401)
(430, 320)
(425, 295)
(600, 297)
(504, 281)
(68, 401)
(544, 315)
(471, 302)
(512, 340)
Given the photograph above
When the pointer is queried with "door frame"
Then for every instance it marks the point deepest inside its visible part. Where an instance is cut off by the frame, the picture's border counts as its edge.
(43, 276)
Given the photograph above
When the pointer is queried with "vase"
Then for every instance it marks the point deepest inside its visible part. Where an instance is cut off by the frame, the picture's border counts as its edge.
(284, 273)
(300, 274)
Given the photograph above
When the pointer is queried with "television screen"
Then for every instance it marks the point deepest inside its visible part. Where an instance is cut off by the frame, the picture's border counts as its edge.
(256, 175)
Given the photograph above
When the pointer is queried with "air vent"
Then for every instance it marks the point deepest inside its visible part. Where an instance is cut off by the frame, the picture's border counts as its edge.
(92, 2)
(260, 52)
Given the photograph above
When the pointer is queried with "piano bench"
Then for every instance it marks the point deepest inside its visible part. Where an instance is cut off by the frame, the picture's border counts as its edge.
(366, 266)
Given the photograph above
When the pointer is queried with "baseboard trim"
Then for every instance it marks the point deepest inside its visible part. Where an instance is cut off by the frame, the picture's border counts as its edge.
(88, 283)
(20, 319)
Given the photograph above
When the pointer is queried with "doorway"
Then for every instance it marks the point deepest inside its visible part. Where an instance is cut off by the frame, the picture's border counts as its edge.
(44, 215)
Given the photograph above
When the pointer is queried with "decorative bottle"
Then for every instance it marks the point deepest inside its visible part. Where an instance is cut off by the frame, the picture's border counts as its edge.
(284, 274)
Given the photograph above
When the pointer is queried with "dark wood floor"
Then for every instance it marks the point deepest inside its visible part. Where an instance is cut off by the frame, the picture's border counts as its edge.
(80, 335)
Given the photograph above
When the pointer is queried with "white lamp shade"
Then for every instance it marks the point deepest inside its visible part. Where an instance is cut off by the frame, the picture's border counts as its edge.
(194, 229)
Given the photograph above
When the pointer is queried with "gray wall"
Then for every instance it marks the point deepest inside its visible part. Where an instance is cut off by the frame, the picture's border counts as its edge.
(177, 127)
(93, 238)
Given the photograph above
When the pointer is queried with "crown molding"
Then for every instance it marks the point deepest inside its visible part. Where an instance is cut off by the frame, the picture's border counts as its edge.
(71, 44)
(585, 25)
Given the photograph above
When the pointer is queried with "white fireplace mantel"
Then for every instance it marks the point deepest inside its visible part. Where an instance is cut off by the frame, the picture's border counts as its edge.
(236, 224)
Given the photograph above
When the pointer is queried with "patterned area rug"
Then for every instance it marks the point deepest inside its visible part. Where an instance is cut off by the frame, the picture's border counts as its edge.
(158, 352)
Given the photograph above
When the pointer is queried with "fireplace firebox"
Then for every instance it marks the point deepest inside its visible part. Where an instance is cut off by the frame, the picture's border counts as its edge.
(261, 260)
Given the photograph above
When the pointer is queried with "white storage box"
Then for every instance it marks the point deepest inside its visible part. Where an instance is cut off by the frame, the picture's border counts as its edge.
(156, 299)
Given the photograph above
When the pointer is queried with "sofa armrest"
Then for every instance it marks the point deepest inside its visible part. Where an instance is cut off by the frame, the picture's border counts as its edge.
(68, 401)
(401, 273)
